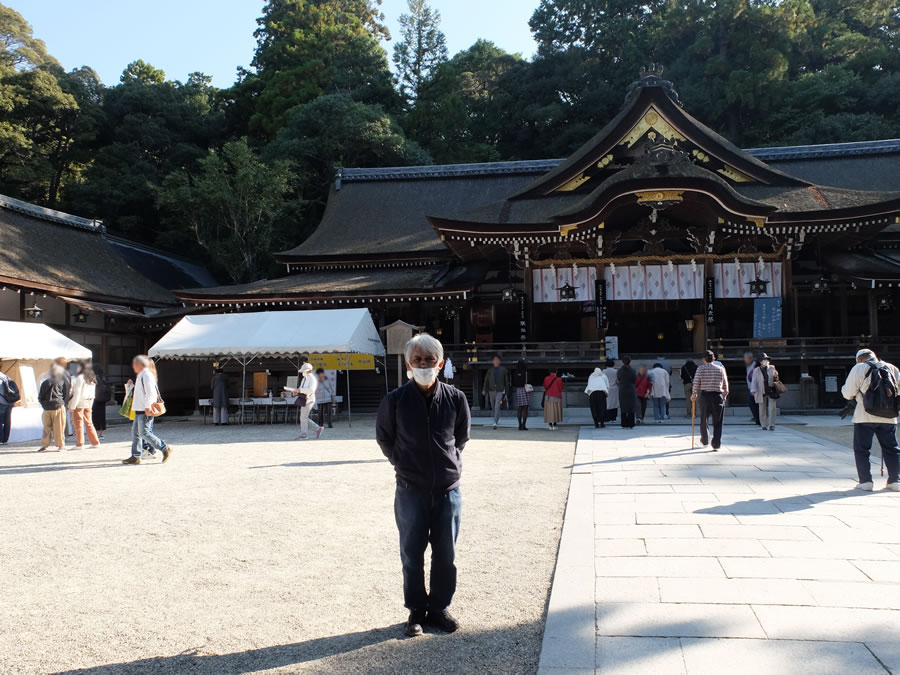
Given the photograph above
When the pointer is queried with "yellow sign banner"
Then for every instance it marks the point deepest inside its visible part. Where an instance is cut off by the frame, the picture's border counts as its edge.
(343, 361)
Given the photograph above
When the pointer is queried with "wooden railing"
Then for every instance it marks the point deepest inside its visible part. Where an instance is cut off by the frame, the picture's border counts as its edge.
(806, 348)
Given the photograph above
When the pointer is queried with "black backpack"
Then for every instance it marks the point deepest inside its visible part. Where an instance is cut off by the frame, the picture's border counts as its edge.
(10, 391)
(880, 399)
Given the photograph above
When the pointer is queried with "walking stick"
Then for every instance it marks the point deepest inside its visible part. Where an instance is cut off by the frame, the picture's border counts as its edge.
(693, 416)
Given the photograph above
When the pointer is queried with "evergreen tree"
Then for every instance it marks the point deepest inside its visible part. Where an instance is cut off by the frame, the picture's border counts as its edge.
(422, 49)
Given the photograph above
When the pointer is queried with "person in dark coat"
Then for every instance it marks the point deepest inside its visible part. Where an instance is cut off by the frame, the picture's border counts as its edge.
(628, 401)
(219, 386)
(102, 397)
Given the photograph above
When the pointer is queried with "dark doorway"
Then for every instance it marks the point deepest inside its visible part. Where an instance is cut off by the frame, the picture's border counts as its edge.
(649, 327)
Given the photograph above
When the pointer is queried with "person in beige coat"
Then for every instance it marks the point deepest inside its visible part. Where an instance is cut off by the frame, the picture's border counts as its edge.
(761, 385)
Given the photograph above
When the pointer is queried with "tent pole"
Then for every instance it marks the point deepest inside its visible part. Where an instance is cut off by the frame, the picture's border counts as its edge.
(349, 413)
(386, 385)
(243, 386)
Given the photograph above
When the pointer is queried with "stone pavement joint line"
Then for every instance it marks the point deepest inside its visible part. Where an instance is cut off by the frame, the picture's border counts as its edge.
(762, 556)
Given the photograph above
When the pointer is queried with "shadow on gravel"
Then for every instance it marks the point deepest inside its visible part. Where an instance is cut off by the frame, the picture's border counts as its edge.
(57, 466)
(332, 463)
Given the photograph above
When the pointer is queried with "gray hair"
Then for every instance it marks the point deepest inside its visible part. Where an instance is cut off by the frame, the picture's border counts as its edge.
(428, 344)
(143, 359)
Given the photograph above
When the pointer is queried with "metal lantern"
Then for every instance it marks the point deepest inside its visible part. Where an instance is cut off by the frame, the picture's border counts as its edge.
(821, 286)
(80, 317)
(509, 294)
(34, 312)
(567, 292)
(758, 286)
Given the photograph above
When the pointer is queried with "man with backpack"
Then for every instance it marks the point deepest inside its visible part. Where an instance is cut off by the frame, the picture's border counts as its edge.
(9, 395)
(875, 386)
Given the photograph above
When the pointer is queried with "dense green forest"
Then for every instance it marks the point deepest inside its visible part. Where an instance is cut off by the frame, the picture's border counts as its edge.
(230, 175)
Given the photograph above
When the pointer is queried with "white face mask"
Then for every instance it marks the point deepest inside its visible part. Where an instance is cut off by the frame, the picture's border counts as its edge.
(425, 376)
(764, 363)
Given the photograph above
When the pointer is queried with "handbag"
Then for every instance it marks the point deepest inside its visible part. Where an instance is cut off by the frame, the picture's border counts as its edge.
(529, 389)
(125, 410)
(158, 407)
(301, 401)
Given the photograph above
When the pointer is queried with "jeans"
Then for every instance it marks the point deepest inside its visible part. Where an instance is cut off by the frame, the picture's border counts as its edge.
(5, 422)
(711, 404)
(659, 408)
(496, 399)
(887, 439)
(142, 432)
(422, 519)
(754, 407)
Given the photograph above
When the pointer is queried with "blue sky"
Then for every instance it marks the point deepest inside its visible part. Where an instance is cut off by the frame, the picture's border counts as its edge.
(216, 36)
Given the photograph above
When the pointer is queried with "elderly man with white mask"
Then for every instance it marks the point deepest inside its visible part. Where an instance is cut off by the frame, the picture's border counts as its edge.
(422, 428)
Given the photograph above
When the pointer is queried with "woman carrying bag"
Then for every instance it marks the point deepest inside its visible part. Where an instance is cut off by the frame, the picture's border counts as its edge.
(553, 389)
(767, 388)
(306, 401)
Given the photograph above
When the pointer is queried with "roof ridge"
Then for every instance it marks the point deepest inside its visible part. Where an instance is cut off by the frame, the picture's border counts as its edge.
(351, 174)
(51, 215)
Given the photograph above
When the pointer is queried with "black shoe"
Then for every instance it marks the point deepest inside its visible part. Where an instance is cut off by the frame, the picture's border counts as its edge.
(131, 460)
(413, 625)
(442, 621)
(602, 426)
(596, 426)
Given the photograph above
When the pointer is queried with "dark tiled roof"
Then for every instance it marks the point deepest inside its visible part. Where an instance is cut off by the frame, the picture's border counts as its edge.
(424, 279)
(378, 217)
(53, 250)
(165, 269)
(814, 198)
(827, 150)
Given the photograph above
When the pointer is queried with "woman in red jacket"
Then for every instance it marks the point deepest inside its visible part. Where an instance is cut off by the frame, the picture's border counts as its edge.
(642, 383)
(553, 388)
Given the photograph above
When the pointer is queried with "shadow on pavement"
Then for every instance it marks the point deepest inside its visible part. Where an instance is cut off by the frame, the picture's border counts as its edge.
(332, 463)
(785, 504)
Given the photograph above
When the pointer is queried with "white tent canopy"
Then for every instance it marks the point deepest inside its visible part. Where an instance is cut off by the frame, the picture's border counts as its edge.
(271, 335)
(21, 341)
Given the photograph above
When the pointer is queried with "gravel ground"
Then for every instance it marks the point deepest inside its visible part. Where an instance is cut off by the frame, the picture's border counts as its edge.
(249, 552)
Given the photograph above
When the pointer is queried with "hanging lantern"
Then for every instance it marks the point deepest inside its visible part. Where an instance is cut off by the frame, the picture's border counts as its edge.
(80, 317)
(821, 286)
(758, 286)
(34, 312)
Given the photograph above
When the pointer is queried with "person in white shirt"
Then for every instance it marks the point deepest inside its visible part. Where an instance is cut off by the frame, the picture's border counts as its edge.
(659, 392)
(866, 425)
(84, 388)
(146, 393)
(309, 383)
(597, 390)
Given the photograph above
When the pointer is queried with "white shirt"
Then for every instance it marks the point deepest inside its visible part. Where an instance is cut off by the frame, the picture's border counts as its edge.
(308, 386)
(659, 379)
(856, 385)
(597, 382)
(82, 394)
(145, 391)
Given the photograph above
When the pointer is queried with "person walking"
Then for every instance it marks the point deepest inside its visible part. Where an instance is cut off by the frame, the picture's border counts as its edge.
(659, 391)
(597, 390)
(325, 399)
(666, 366)
(496, 384)
(309, 383)
(81, 405)
(219, 387)
(710, 390)
(642, 386)
(145, 394)
(750, 365)
(522, 392)
(102, 395)
(875, 386)
(9, 396)
(765, 389)
(53, 396)
(422, 428)
(628, 402)
(687, 379)
(612, 401)
(553, 389)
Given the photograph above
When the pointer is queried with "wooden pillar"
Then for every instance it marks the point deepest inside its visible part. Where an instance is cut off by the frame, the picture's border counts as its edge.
(873, 313)
(789, 297)
(843, 311)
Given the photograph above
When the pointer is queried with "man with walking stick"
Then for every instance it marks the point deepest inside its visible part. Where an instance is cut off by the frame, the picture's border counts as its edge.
(710, 391)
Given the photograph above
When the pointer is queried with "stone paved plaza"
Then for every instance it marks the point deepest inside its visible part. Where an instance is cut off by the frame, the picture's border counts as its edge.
(760, 558)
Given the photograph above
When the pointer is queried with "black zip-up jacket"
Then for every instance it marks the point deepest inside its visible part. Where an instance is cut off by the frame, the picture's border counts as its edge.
(54, 392)
(424, 438)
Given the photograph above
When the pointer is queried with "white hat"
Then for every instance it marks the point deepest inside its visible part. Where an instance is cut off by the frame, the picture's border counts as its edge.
(306, 367)
(864, 352)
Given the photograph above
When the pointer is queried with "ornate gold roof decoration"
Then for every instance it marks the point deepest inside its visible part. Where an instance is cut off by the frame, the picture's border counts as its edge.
(574, 184)
(734, 175)
(652, 121)
(660, 197)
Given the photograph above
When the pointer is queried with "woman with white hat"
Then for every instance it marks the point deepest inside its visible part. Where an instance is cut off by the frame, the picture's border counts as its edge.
(308, 384)
(597, 390)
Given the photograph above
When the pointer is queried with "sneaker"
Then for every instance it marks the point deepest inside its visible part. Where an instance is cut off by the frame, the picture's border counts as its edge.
(442, 621)
(865, 486)
(148, 454)
(79, 447)
(319, 432)
(301, 437)
(771, 428)
(96, 446)
(131, 460)
(42, 450)
(62, 449)
(495, 427)
(167, 453)
(893, 487)
(413, 625)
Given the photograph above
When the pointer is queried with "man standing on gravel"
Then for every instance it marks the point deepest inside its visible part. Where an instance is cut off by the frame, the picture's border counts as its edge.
(422, 428)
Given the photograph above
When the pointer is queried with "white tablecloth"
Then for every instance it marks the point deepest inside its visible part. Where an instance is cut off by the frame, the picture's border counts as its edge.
(26, 424)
